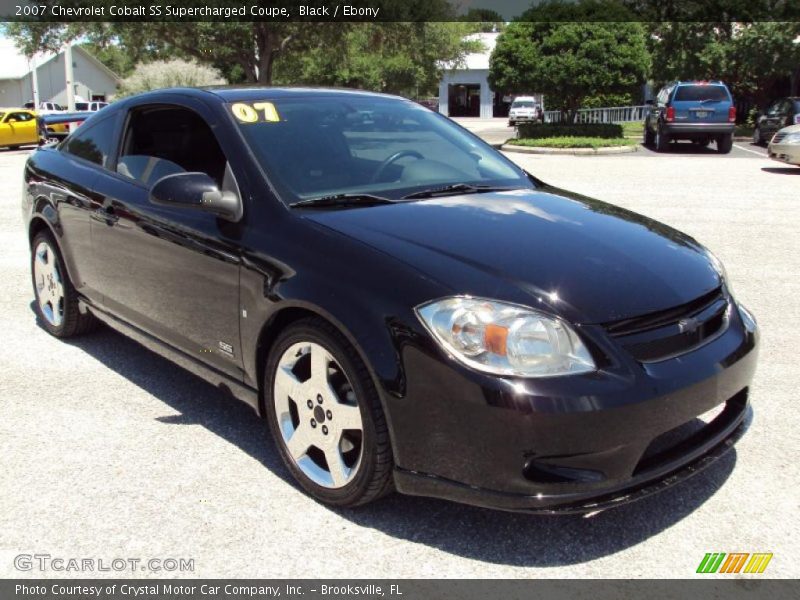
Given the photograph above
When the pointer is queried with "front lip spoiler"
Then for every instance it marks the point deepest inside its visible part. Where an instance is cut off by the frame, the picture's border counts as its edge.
(421, 484)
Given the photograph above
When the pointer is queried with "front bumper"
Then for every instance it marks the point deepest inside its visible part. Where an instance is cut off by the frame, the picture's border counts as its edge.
(785, 153)
(523, 118)
(569, 444)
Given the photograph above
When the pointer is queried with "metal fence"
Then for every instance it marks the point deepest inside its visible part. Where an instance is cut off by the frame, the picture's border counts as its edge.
(611, 114)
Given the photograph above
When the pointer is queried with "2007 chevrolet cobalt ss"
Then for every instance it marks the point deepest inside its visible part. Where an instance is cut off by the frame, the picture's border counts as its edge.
(406, 307)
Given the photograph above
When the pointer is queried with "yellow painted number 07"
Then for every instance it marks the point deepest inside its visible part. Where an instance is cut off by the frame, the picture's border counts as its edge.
(258, 111)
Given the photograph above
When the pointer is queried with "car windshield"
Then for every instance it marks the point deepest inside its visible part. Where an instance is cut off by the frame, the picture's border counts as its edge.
(697, 93)
(318, 146)
(523, 105)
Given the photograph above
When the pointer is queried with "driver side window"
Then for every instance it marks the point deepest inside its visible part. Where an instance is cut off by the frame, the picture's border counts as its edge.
(166, 140)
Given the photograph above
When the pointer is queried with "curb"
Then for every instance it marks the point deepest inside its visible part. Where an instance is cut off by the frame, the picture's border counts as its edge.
(574, 151)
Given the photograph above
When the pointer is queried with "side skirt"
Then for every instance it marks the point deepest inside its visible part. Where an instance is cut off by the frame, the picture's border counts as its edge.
(219, 380)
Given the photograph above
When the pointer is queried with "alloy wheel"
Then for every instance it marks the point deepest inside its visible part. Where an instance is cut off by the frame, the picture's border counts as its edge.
(49, 284)
(318, 415)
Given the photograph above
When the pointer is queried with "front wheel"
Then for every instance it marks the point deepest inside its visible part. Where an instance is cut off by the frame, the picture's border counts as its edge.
(325, 416)
(725, 143)
(56, 298)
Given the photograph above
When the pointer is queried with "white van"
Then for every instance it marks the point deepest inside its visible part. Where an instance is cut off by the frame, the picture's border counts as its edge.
(524, 109)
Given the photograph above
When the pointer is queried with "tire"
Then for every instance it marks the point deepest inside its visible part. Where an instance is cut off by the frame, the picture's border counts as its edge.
(649, 138)
(511, 123)
(725, 143)
(56, 301)
(661, 141)
(346, 395)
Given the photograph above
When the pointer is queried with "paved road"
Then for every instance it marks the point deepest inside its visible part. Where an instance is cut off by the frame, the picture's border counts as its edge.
(107, 451)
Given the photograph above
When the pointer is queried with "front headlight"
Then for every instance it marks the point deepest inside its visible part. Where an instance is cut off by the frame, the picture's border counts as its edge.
(716, 263)
(505, 339)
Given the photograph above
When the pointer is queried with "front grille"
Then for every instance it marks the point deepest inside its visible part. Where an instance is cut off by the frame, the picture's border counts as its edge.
(778, 137)
(668, 333)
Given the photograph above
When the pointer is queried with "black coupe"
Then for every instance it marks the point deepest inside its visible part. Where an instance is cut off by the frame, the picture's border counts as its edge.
(406, 307)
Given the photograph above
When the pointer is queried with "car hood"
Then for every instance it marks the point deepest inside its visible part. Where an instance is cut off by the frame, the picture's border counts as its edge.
(791, 129)
(589, 261)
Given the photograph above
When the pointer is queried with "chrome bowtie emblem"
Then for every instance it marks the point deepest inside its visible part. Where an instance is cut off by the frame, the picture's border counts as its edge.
(689, 325)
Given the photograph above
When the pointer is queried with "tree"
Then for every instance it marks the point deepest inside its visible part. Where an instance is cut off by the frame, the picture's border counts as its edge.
(484, 20)
(399, 58)
(243, 51)
(173, 73)
(570, 61)
(752, 58)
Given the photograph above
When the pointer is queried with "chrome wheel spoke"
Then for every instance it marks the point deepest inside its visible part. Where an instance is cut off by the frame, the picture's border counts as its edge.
(288, 386)
(340, 472)
(299, 443)
(320, 360)
(347, 417)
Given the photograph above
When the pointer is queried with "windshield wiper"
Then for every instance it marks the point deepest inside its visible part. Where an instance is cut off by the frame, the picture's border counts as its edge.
(342, 200)
(457, 188)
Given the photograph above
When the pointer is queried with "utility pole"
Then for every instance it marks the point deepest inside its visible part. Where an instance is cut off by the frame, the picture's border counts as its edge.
(34, 81)
(70, 77)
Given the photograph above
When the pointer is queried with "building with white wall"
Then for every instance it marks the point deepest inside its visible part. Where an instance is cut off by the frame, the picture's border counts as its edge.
(464, 89)
(92, 80)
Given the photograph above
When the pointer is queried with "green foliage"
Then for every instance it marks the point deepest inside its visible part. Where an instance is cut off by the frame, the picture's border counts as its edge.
(603, 100)
(164, 74)
(573, 142)
(750, 57)
(400, 58)
(484, 20)
(570, 61)
(548, 130)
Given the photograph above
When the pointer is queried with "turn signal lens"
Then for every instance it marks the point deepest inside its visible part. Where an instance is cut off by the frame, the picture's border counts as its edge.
(505, 339)
(670, 113)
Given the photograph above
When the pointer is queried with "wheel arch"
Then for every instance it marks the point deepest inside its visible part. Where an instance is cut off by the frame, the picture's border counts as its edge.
(284, 317)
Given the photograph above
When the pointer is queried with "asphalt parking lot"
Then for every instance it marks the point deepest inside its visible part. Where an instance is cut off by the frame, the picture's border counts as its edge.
(109, 451)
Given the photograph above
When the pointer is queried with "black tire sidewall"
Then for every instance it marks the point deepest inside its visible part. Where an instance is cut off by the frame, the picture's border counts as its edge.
(351, 493)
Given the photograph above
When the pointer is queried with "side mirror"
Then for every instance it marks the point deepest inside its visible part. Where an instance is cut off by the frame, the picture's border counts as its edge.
(197, 191)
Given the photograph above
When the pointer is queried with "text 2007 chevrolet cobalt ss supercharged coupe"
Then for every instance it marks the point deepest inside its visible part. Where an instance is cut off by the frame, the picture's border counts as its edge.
(406, 307)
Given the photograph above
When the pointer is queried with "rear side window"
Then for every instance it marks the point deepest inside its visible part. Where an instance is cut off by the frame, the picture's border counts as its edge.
(697, 93)
(94, 143)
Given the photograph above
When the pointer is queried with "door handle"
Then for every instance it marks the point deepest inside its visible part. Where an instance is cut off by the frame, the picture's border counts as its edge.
(105, 215)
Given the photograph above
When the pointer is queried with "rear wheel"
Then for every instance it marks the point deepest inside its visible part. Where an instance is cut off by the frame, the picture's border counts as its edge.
(649, 138)
(725, 143)
(56, 298)
(661, 141)
(325, 416)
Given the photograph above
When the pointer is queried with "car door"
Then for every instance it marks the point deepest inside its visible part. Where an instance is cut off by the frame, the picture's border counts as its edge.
(772, 120)
(19, 128)
(172, 272)
(72, 171)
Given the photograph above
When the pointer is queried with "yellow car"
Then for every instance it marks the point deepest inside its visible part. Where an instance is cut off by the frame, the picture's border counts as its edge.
(18, 127)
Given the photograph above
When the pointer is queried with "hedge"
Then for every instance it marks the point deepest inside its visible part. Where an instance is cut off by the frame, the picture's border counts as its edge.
(548, 130)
